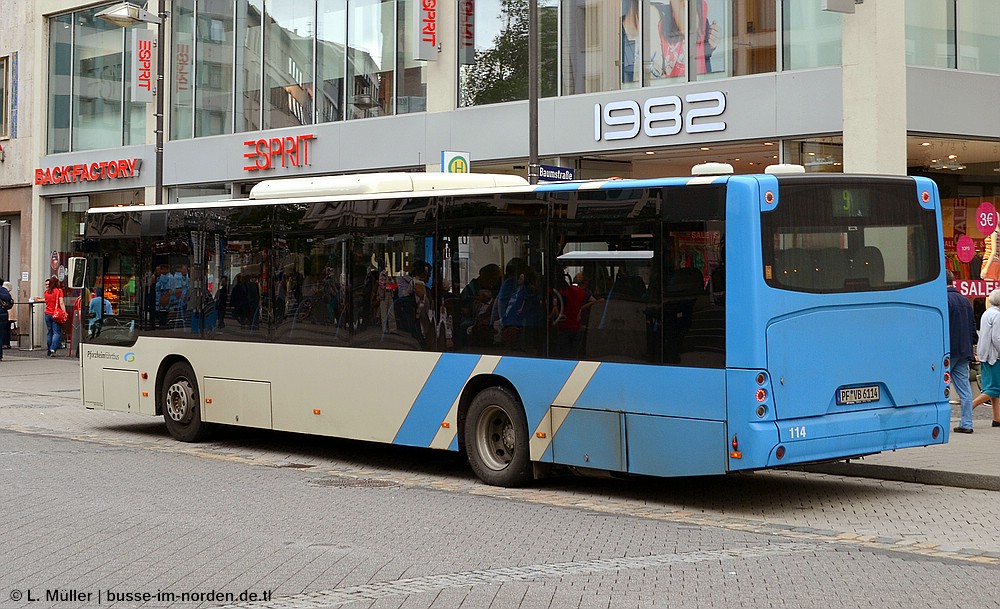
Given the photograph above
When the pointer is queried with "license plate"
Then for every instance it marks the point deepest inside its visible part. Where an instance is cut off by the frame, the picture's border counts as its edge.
(858, 395)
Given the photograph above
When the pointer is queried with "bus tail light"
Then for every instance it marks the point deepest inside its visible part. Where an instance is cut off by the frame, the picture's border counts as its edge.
(936, 432)
(780, 453)
(761, 394)
(947, 378)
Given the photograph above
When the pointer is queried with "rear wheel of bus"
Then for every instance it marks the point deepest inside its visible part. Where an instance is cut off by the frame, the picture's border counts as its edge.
(496, 438)
(180, 401)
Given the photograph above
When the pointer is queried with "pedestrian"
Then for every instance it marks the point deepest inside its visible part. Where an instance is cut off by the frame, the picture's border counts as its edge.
(963, 336)
(6, 304)
(55, 314)
(988, 352)
(99, 308)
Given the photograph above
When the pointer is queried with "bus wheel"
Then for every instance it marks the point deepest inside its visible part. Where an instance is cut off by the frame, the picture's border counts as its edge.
(180, 400)
(496, 439)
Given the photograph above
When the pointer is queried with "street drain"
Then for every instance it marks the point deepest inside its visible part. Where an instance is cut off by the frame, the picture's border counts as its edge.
(346, 482)
(295, 465)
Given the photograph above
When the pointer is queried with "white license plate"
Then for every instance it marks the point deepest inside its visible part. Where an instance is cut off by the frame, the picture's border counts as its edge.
(858, 395)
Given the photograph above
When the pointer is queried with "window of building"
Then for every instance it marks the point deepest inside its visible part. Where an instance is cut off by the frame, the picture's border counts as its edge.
(89, 93)
(182, 21)
(591, 31)
(979, 44)
(331, 62)
(811, 37)
(411, 94)
(4, 96)
(249, 64)
(288, 76)
(493, 51)
(371, 53)
(98, 61)
(930, 33)
(213, 113)
(60, 82)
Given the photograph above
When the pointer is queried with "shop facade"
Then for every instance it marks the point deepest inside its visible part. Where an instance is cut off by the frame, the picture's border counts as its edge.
(260, 89)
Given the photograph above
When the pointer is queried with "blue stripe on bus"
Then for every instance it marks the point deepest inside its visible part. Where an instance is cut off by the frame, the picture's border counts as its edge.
(661, 390)
(440, 391)
(618, 184)
(537, 381)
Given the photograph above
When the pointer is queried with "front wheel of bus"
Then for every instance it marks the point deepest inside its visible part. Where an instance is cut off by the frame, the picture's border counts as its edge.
(181, 406)
(496, 439)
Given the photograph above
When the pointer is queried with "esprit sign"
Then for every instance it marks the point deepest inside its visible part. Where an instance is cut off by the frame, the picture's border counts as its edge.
(84, 172)
(143, 65)
(467, 32)
(426, 23)
(659, 116)
(270, 152)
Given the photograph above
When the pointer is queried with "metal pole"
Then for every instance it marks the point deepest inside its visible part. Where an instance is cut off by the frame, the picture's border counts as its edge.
(533, 91)
(160, 92)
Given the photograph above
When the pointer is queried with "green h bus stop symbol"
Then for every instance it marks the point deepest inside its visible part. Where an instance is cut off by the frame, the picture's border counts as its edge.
(455, 162)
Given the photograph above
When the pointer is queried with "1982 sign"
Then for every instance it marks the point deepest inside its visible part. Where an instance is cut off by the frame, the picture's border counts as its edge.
(659, 116)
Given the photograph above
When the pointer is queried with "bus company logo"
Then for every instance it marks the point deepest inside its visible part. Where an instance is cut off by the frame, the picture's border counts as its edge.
(109, 355)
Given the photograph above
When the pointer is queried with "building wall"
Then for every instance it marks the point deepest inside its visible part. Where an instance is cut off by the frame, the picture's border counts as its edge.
(18, 19)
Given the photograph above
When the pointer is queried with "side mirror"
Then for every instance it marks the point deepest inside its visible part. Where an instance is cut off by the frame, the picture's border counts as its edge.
(77, 272)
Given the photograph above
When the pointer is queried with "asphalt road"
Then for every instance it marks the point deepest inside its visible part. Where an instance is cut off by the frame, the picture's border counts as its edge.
(104, 509)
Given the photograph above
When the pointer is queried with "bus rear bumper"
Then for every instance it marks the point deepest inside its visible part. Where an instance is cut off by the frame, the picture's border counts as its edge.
(851, 434)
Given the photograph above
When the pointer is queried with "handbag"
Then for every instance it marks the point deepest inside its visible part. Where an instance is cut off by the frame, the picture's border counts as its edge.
(60, 316)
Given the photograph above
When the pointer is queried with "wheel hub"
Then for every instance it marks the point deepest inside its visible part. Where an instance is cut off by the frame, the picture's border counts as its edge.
(178, 402)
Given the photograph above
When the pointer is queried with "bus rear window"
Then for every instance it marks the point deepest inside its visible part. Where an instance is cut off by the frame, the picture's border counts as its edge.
(830, 236)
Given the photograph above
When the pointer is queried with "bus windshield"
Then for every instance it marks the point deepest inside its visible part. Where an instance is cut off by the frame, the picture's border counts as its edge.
(857, 236)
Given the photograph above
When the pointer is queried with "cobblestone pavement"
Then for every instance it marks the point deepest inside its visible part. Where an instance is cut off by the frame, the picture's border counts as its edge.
(98, 501)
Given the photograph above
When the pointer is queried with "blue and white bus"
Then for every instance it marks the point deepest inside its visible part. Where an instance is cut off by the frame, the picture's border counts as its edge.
(665, 327)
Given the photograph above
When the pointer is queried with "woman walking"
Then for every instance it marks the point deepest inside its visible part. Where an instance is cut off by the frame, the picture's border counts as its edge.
(55, 314)
(988, 352)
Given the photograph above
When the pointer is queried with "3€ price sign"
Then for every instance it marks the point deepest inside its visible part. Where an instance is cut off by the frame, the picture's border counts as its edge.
(986, 218)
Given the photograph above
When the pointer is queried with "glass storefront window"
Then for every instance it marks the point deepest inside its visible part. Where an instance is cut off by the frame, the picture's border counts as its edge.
(696, 40)
(548, 51)
(4, 97)
(214, 68)
(979, 42)
(182, 69)
(371, 56)
(666, 30)
(249, 62)
(412, 88)
(930, 33)
(811, 36)
(135, 112)
(824, 155)
(750, 39)
(288, 61)
(331, 43)
(493, 51)
(590, 43)
(97, 82)
(60, 82)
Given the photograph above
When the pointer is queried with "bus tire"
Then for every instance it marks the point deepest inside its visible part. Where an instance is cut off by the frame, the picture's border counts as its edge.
(496, 439)
(181, 404)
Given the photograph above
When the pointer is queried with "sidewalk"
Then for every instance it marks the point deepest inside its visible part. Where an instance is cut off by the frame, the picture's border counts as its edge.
(967, 461)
